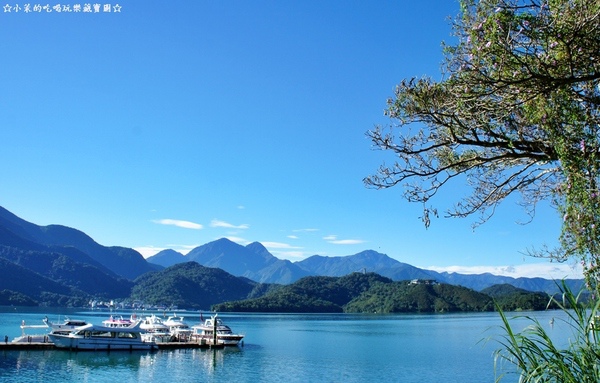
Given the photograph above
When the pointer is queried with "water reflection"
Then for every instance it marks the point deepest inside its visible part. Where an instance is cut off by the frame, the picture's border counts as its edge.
(293, 348)
(101, 366)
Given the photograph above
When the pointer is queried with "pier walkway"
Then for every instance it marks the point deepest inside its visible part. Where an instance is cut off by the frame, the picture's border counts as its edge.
(24, 346)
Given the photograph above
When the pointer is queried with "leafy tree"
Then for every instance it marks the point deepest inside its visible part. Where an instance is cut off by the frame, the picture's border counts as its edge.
(516, 112)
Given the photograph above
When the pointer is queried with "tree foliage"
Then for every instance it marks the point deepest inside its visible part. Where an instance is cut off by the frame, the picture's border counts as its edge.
(310, 294)
(190, 285)
(510, 298)
(373, 293)
(404, 297)
(516, 112)
(15, 298)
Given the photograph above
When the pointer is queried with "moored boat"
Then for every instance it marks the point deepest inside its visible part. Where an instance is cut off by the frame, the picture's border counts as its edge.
(224, 335)
(178, 328)
(63, 327)
(95, 337)
(117, 321)
(154, 330)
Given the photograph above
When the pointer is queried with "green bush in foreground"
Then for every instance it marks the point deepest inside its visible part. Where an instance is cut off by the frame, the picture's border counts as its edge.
(538, 359)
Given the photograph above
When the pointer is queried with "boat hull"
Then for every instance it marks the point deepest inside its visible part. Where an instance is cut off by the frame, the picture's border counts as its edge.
(224, 335)
(232, 340)
(226, 340)
(82, 343)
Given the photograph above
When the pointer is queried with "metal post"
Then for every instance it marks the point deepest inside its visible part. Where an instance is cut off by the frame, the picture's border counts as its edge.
(215, 331)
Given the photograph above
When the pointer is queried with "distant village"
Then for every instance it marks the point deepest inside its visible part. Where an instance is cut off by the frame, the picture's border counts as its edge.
(129, 305)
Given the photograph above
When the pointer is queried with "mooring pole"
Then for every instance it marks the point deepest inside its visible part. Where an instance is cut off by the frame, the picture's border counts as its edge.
(215, 331)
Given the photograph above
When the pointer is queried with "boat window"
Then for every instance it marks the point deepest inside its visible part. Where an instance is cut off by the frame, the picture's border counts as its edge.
(126, 335)
(102, 334)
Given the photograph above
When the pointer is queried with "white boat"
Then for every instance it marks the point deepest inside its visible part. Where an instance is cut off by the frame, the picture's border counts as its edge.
(155, 330)
(64, 327)
(178, 327)
(206, 331)
(94, 337)
(117, 321)
(153, 323)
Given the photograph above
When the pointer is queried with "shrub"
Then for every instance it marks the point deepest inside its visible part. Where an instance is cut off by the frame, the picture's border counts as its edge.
(538, 359)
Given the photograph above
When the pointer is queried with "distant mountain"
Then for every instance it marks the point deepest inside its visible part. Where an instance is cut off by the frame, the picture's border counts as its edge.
(12, 240)
(503, 290)
(230, 256)
(255, 262)
(126, 263)
(310, 294)
(481, 281)
(18, 281)
(57, 265)
(13, 298)
(368, 260)
(512, 298)
(167, 258)
(252, 261)
(363, 292)
(382, 264)
(85, 277)
(70, 263)
(281, 272)
(258, 249)
(399, 297)
(190, 285)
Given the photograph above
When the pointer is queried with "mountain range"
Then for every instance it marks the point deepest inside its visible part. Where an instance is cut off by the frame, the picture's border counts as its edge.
(60, 265)
(255, 262)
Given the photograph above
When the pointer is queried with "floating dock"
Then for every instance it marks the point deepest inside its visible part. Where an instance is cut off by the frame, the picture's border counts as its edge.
(30, 346)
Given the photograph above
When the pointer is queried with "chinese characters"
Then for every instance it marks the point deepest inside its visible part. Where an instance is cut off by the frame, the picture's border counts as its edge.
(62, 8)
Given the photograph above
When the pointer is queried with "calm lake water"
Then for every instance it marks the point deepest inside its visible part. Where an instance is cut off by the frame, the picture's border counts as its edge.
(284, 348)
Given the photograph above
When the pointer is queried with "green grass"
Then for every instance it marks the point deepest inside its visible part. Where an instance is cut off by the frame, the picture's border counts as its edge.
(538, 359)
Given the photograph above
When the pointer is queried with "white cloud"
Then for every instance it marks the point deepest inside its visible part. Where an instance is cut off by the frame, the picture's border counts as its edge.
(290, 255)
(148, 251)
(227, 225)
(292, 236)
(179, 223)
(278, 245)
(543, 270)
(347, 242)
(333, 240)
(183, 249)
(304, 230)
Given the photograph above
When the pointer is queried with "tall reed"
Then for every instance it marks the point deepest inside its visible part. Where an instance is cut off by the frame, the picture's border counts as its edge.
(538, 359)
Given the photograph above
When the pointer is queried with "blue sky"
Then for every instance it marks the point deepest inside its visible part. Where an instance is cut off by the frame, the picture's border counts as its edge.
(172, 124)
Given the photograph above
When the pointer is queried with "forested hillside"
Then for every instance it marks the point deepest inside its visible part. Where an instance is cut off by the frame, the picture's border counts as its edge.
(192, 286)
(364, 292)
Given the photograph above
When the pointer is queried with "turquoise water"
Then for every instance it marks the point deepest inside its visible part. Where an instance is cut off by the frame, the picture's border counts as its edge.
(283, 348)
